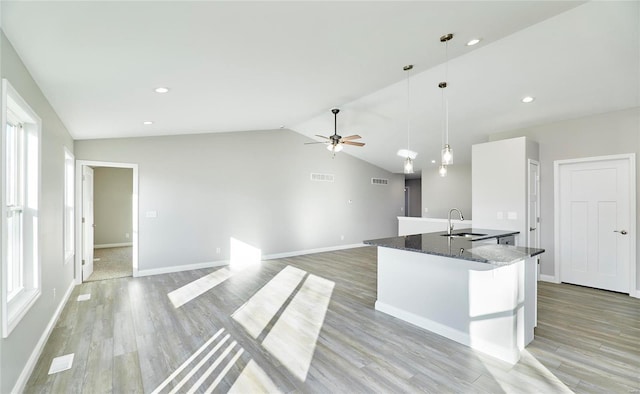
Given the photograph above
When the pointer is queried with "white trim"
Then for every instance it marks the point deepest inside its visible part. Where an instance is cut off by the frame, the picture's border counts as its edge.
(134, 212)
(37, 351)
(180, 268)
(538, 183)
(548, 278)
(120, 245)
(9, 317)
(219, 263)
(310, 251)
(631, 157)
(71, 256)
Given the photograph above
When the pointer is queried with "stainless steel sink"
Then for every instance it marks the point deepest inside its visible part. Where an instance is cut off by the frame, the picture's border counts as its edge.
(463, 235)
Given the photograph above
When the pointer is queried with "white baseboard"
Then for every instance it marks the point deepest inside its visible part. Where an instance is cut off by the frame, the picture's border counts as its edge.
(510, 356)
(120, 245)
(211, 264)
(178, 268)
(37, 351)
(635, 294)
(310, 251)
(548, 278)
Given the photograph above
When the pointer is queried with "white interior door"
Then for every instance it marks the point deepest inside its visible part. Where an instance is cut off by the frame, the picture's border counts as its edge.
(594, 223)
(87, 222)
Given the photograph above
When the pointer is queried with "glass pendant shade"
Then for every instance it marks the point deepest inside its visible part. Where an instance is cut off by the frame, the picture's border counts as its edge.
(334, 148)
(447, 155)
(442, 170)
(408, 166)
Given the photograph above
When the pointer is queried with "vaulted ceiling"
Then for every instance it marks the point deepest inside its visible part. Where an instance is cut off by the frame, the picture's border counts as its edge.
(239, 66)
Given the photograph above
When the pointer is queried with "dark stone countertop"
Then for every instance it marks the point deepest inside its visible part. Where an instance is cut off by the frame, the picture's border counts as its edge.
(440, 244)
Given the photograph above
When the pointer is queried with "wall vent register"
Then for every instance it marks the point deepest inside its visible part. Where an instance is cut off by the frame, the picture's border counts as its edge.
(379, 181)
(322, 177)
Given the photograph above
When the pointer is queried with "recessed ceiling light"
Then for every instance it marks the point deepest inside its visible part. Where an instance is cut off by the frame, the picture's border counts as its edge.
(147, 122)
(473, 42)
(161, 90)
(433, 162)
(528, 99)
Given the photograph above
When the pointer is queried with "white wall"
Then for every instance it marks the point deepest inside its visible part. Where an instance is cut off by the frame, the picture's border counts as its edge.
(499, 184)
(112, 196)
(598, 135)
(20, 345)
(440, 194)
(252, 186)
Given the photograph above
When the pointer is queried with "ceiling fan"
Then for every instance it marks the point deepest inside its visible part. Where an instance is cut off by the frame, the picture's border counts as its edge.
(335, 142)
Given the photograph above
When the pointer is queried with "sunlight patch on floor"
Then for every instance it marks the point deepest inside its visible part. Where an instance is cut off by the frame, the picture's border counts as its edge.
(292, 340)
(256, 313)
(198, 287)
(204, 370)
(253, 380)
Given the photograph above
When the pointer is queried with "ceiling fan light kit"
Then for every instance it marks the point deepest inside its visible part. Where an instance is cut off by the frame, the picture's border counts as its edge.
(336, 142)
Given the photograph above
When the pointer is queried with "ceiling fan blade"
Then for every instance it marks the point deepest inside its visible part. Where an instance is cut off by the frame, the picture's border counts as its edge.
(318, 142)
(322, 136)
(351, 137)
(353, 143)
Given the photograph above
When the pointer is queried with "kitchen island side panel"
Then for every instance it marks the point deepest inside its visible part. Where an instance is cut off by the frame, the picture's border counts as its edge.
(477, 304)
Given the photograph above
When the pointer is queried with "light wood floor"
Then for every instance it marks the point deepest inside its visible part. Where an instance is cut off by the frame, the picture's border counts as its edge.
(130, 338)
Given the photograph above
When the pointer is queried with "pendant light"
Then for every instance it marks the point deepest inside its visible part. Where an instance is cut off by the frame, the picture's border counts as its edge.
(408, 154)
(447, 151)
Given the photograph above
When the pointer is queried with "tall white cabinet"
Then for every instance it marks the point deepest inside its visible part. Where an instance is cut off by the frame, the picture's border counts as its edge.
(503, 194)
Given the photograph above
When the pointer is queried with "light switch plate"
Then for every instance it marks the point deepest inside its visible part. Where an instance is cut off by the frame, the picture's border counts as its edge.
(512, 215)
(151, 214)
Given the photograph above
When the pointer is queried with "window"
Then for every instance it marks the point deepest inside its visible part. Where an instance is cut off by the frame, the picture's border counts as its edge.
(69, 206)
(20, 199)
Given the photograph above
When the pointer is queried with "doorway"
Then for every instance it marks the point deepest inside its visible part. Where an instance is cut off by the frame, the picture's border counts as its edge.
(413, 197)
(595, 222)
(107, 240)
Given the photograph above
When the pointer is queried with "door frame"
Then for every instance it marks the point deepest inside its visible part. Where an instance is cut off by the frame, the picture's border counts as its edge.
(557, 164)
(537, 224)
(80, 213)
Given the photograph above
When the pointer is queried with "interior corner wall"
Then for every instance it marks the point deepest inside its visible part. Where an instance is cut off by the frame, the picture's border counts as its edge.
(255, 187)
(112, 197)
(23, 340)
(597, 135)
(440, 194)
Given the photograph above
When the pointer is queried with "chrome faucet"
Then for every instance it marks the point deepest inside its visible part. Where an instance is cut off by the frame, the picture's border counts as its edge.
(450, 228)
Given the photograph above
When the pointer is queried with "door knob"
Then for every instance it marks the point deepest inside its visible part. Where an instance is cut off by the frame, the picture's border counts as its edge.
(532, 229)
(623, 232)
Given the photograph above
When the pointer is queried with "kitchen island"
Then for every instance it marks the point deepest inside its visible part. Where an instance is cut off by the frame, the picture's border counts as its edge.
(480, 294)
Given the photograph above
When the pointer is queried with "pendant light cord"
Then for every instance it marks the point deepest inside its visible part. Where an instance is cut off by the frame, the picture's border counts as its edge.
(408, 109)
(446, 99)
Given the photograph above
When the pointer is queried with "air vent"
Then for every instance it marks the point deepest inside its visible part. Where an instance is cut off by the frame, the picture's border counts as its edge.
(379, 181)
(322, 177)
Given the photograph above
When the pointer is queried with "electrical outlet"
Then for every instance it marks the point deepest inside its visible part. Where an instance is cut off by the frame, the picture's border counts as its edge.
(426, 210)
(218, 250)
(500, 215)
(54, 293)
(126, 235)
(342, 238)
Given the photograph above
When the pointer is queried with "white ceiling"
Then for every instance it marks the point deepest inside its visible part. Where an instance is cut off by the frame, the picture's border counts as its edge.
(238, 66)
